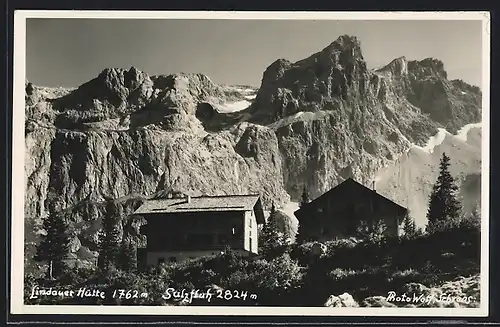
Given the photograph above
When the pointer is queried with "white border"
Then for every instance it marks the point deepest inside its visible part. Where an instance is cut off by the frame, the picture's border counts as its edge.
(17, 242)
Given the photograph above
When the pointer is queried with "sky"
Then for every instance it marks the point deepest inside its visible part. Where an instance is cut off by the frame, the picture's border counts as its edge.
(69, 52)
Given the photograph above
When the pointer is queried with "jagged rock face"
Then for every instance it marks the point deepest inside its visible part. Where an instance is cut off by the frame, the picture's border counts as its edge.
(319, 82)
(242, 160)
(424, 84)
(323, 151)
(97, 164)
(350, 120)
(121, 99)
(313, 122)
(338, 76)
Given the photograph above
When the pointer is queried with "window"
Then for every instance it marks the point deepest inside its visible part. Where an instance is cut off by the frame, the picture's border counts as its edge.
(250, 244)
(236, 227)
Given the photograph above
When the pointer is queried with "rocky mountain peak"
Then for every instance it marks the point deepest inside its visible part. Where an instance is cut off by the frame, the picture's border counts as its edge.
(336, 73)
(346, 44)
(118, 79)
(185, 82)
(397, 67)
(428, 67)
(276, 70)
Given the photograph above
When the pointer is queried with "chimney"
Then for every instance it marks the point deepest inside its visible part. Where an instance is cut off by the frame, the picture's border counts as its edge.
(188, 198)
(373, 186)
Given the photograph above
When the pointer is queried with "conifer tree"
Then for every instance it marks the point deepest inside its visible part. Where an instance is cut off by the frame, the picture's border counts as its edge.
(444, 208)
(54, 245)
(410, 228)
(109, 243)
(271, 239)
(473, 220)
(128, 255)
(305, 197)
(299, 237)
(475, 215)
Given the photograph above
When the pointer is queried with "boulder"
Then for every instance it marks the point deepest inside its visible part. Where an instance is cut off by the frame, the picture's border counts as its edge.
(342, 300)
(319, 249)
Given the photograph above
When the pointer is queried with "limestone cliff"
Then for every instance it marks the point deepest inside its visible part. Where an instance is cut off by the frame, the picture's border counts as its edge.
(335, 118)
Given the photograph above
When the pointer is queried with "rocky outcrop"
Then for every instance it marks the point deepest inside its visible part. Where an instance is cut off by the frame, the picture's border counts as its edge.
(377, 302)
(463, 292)
(343, 300)
(314, 122)
(117, 96)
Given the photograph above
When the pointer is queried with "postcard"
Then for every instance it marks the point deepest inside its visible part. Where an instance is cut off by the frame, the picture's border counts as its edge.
(251, 163)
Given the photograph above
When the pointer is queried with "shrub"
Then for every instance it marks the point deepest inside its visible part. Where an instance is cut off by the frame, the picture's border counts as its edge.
(339, 274)
(339, 247)
(304, 253)
(275, 279)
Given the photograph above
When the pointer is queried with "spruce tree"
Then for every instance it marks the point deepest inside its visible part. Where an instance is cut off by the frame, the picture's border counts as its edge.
(444, 208)
(128, 255)
(473, 220)
(410, 228)
(475, 215)
(271, 239)
(109, 244)
(305, 197)
(299, 237)
(54, 245)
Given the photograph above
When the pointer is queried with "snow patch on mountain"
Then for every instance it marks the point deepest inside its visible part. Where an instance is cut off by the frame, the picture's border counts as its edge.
(464, 131)
(299, 116)
(437, 139)
(434, 141)
(240, 99)
(234, 106)
(409, 179)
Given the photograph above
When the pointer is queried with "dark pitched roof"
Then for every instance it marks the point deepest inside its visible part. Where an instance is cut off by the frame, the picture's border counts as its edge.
(349, 183)
(218, 203)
